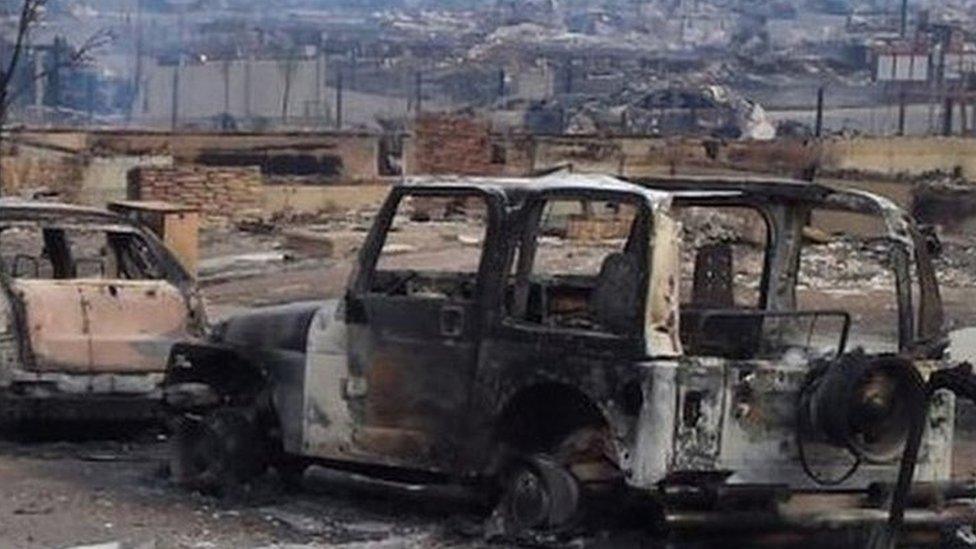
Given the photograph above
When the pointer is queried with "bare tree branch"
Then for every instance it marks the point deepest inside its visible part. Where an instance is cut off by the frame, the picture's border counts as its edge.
(31, 12)
(78, 56)
(29, 15)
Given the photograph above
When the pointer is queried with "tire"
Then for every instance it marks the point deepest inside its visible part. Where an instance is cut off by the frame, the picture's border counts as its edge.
(551, 492)
(217, 454)
(291, 472)
(537, 494)
(587, 454)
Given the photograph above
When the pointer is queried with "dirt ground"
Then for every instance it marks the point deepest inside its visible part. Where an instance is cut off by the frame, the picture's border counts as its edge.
(114, 491)
(58, 489)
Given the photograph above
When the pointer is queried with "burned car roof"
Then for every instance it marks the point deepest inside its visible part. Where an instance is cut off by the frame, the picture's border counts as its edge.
(658, 190)
(517, 189)
(20, 209)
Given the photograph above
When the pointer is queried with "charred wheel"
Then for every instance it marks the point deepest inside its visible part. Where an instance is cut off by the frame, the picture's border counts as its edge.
(538, 494)
(290, 470)
(218, 452)
(555, 490)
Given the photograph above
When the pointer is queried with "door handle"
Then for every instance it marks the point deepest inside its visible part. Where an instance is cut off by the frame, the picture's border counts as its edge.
(452, 321)
(355, 310)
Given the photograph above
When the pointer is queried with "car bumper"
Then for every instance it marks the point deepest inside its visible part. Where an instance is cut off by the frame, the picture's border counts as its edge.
(934, 511)
(81, 407)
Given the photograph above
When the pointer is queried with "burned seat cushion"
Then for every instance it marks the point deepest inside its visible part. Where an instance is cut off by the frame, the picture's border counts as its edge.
(616, 297)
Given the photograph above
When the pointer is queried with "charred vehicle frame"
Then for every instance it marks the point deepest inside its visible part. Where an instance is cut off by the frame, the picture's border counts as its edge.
(91, 304)
(560, 389)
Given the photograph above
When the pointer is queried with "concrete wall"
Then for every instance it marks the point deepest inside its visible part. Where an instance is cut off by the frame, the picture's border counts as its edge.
(885, 157)
(353, 155)
(74, 176)
(106, 178)
(313, 199)
(66, 140)
(243, 88)
(92, 167)
(620, 155)
(25, 171)
(901, 155)
(444, 144)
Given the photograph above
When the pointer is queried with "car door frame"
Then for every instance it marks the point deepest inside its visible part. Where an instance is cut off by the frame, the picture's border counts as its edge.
(517, 354)
(445, 443)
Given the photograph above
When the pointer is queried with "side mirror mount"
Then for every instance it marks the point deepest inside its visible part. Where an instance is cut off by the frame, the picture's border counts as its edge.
(930, 237)
(21, 260)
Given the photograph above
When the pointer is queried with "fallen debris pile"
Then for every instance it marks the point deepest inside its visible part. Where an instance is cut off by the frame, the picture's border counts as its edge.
(946, 201)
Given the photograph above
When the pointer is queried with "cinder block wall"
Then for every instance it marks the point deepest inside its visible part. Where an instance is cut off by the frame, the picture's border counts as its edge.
(219, 193)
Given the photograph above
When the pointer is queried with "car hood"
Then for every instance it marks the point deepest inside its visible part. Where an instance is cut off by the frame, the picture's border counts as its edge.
(283, 327)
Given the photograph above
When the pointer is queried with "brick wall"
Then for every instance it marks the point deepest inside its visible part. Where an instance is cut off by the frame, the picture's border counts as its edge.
(452, 144)
(220, 193)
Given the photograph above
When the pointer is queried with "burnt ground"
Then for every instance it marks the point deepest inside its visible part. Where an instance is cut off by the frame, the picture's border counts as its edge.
(57, 490)
(63, 494)
(80, 485)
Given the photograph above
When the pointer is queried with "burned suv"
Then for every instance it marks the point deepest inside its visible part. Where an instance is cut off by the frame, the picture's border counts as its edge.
(90, 306)
(592, 335)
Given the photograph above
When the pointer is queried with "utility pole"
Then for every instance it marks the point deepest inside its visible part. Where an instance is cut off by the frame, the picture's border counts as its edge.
(419, 91)
(943, 42)
(58, 53)
(963, 118)
(137, 78)
(181, 26)
(904, 18)
(225, 67)
(318, 86)
(174, 121)
(339, 84)
(902, 99)
(90, 96)
(947, 117)
(818, 131)
(247, 86)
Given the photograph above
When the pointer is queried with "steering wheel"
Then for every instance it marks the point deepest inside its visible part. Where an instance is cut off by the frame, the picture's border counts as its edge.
(399, 283)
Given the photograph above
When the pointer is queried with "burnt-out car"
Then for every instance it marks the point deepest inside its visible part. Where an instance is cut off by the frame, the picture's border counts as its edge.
(90, 307)
(599, 335)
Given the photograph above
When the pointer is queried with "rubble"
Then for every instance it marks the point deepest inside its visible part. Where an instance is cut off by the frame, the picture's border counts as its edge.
(672, 108)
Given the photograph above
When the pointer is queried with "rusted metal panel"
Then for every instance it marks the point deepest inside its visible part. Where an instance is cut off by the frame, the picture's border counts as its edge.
(56, 326)
(132, 324)
(327, 421)
(101, 326)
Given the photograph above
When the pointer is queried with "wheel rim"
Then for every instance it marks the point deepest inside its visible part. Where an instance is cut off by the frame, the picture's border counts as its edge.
(528, 500)
(201, 451)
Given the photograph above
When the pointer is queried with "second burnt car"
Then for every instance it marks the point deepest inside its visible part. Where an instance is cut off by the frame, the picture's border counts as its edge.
(90, 305)
(581, 342)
